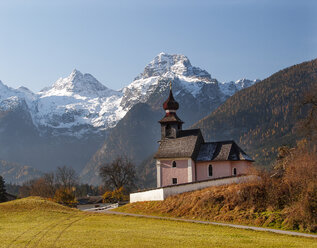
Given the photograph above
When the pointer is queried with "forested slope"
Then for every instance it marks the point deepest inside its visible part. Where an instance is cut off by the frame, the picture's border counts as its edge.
(264, 116)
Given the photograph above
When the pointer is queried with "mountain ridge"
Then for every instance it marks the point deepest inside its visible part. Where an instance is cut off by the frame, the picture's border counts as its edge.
(80, 102)
(66, 123)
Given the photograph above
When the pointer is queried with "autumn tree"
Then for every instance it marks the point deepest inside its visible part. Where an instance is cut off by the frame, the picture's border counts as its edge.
(308, 126)
(43, 186)
(65, 196)
(118, 173)
(3, 192)
(66, 177)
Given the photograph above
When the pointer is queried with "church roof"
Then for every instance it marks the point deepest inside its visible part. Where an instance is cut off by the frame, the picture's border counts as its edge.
(186, 145)
(220, 151)
(171, 117)
(170, 103)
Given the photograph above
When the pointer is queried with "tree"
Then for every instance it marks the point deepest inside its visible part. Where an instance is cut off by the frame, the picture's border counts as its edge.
(3, 192)
(43, 186)
(66, 177)
(308, 126)
(119, 173)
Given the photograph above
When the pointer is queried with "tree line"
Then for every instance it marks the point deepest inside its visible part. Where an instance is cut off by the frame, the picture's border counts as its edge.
(63, 185)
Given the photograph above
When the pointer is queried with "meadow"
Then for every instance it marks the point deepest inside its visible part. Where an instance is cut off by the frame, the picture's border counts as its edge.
(35, 222)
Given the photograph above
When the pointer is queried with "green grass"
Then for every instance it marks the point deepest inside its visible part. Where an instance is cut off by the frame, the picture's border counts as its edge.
(34, 222)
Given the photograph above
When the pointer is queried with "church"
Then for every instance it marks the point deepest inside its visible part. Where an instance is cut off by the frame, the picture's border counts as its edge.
(184, 157)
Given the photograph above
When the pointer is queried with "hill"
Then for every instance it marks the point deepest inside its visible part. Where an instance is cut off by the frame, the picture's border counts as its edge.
(35, 222)
(34, 203)
(264, 116)
(285, 198)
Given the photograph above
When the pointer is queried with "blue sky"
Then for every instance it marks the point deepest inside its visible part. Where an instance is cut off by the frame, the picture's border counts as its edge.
(41, 41)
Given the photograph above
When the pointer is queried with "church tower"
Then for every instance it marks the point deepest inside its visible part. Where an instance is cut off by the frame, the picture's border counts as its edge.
(170, 124)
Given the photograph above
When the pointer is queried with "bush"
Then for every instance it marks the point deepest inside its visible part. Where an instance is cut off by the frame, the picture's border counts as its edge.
(116, 195)
(65, 196)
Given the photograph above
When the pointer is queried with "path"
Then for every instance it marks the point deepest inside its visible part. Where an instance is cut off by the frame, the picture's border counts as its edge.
(262, 229)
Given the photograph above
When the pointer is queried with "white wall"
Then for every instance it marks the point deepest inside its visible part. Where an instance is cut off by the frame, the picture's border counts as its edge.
(162, 193)
(150, 195)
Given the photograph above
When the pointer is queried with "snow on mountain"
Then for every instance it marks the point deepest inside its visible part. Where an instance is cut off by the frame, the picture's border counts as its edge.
(162, 69)
(229, 88)
(79, 103)
(78, 100)
(11, 98)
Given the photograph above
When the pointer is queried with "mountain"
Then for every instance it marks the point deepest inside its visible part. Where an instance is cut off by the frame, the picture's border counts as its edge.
(77, 105)
(264, 116)
(137, 133)
(134, 136)
(66, 123)
(260, 118)
(16, 174)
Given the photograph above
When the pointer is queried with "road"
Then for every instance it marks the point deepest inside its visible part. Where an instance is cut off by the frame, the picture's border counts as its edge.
(261, 229)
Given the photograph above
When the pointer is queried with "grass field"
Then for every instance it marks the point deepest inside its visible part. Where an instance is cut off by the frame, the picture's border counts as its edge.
(34, 222)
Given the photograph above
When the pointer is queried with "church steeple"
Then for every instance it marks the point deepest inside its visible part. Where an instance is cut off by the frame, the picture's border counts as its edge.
(170, 124)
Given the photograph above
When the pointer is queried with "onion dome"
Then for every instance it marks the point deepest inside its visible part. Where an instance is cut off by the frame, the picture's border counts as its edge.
(170, 103)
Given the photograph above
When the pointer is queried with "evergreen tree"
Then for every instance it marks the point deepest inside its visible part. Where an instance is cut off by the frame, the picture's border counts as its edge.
(3, 192)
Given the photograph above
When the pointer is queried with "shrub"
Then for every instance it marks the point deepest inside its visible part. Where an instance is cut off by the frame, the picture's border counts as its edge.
(65, 196)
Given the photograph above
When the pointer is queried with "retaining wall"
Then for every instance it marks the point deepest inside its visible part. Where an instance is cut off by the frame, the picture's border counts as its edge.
(162, 193)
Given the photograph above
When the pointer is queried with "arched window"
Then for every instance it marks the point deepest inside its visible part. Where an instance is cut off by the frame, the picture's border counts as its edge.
(234, 171)
(210, 170)
(174, 164)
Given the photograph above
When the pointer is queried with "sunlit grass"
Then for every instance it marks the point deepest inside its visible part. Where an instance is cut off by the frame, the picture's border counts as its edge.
(34, 222)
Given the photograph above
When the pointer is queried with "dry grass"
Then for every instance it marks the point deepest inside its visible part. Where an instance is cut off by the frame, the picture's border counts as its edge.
(34, 222)
(288, 201)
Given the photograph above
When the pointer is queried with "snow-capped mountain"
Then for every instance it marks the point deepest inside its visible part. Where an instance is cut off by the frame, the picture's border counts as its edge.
(80, 104)
(137, 133)
(76, 104)
(66, 123)
(162, 69)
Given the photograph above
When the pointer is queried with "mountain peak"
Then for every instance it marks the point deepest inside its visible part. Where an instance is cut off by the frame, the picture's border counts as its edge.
(75, 74)
(173, 65)
(78, 83)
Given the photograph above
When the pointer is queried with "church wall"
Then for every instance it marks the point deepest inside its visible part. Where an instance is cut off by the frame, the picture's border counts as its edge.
(243, 167)
(221, 169)
(168, 172)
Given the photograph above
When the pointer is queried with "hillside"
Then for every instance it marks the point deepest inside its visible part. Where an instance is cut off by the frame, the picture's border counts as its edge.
(35, 222)
(286, 201)
(260, 118)
(16, 174)
(134, 136)
(264, 116)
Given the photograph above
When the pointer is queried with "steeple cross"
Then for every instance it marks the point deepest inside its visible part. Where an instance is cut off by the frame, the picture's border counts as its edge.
(170, 85)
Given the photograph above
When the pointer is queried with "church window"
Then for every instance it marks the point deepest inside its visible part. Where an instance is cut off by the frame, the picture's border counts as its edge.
(234, 171)
(174, 164)
(210, 170)
(174, 180)
(168, 131)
